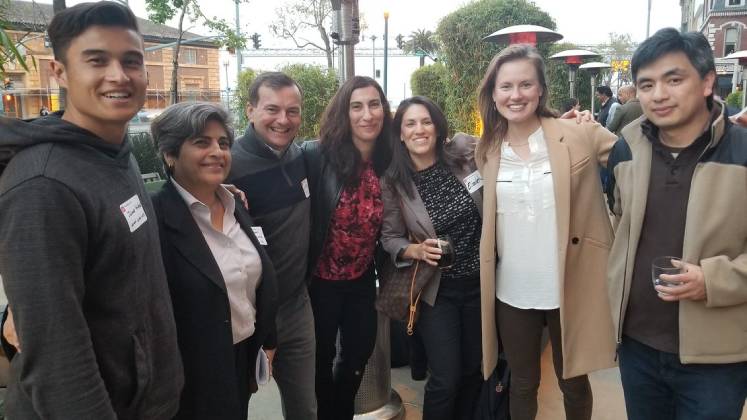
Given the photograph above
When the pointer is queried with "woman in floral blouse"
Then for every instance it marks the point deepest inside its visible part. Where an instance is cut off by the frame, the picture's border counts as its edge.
(344, 167)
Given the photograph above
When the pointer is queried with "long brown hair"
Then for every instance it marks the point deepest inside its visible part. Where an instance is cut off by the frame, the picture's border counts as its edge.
(494, 124)
(336, 134)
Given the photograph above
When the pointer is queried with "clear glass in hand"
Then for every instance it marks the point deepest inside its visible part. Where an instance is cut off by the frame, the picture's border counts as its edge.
(447, 252)
(664, 265)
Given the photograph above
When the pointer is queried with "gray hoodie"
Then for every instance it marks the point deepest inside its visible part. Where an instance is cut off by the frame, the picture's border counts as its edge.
(82, 269)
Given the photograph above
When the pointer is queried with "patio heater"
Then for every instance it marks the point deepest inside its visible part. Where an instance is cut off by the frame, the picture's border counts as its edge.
(573, 59)
(593, 68)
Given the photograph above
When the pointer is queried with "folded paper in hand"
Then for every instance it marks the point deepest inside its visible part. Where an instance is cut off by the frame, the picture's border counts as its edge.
(262, 368)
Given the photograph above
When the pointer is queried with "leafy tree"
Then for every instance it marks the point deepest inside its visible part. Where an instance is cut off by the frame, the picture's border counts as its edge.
(241, 98)
(318, 84)
(294, 19)
(618, 47)
(424, 41)
(466, 56)
(735, 99)
(432, 81)
(160, 11)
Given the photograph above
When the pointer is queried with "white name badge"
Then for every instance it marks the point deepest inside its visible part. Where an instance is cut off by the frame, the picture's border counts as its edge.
(259, 234)
(305, 186)
(473, 182)
(133, 212)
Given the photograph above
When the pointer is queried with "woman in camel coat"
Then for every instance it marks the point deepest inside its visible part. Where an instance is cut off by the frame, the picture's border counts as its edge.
(545, 236)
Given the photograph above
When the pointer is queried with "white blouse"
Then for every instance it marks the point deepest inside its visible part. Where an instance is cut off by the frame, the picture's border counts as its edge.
(526, 229)
(236, 256)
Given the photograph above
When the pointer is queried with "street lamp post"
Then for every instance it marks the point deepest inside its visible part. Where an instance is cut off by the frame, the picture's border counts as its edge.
(386, 46)
(226, 63)
(573, 59)
(373, 55)
(593, 68)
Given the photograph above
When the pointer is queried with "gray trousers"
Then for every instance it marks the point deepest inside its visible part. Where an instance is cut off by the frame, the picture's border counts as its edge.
(294, 364)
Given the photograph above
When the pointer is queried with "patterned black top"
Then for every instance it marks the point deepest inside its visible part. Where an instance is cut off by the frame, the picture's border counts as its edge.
(453, 212)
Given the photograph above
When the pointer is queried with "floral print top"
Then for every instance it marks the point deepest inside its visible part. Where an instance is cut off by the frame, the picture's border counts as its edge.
(351, 241)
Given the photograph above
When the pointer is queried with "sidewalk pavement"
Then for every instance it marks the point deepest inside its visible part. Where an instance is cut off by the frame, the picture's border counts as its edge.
(608, 397)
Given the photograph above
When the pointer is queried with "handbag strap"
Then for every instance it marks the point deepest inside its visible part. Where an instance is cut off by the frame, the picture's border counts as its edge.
(413, 303)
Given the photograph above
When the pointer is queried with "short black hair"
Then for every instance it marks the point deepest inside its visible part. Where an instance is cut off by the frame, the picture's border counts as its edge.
(569, 104)
(669, 40)
(274, 80)
(71, 22)
(604, 90)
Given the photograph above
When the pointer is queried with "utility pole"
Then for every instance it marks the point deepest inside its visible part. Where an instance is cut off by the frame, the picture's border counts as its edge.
(373, 55)
(648, 19)
(238, 50)
(386, 46)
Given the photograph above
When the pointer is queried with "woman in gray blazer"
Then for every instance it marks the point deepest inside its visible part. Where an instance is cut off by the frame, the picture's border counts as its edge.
(431, 193)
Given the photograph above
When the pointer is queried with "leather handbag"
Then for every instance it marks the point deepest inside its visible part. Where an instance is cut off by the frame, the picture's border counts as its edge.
(399, 293)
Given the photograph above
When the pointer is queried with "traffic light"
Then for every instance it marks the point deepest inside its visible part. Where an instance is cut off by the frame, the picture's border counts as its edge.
(400, 41)
(256, 41)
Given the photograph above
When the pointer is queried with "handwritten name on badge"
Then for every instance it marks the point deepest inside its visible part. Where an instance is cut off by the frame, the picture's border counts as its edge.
(133, 212)
(473, 182)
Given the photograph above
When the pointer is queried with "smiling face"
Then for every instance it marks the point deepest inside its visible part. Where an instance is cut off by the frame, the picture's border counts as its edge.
(517, 91)
(204, 161)
(672, 92)
(277, 115)
(105, 78)
(418, 133)
(366, 113)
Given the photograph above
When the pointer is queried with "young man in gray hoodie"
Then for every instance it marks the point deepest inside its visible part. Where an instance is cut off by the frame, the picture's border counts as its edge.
(79, 250)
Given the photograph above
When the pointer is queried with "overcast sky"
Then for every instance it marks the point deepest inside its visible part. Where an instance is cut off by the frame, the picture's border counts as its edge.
(580, 21)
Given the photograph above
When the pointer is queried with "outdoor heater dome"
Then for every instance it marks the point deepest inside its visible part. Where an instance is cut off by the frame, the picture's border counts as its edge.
(594, 68)
(523, 34)
(573, 58)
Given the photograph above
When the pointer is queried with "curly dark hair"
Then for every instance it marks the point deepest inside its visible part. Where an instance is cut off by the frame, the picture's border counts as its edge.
(336, 135)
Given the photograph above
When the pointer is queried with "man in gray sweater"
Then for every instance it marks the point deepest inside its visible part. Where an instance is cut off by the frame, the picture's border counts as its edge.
(79, 250)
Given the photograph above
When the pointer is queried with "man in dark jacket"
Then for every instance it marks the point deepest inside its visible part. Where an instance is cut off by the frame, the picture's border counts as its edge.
(270, 169)
(79, 249)
(604, 96)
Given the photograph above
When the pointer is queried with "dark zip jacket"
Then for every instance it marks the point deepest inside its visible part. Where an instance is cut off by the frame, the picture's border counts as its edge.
(277, 190)
(82, 269)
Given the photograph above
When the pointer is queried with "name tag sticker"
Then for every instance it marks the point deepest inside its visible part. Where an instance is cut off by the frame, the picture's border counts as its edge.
(473, 182)
(259, 234)
(305, 186)
(133, 212)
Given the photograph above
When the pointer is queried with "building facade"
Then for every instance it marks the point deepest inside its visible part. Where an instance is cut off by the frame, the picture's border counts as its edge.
(24, 92)
(724, 23)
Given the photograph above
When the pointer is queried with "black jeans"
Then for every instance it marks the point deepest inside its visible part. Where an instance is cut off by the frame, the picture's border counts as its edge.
(451, 333)
(347, 306)
(657, 386)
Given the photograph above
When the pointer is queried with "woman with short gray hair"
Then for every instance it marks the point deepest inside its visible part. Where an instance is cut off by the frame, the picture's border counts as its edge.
(221, 281)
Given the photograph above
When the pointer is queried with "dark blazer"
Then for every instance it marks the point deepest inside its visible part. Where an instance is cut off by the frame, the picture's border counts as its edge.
(202, 311)
(405, 217)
